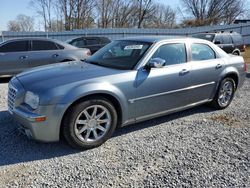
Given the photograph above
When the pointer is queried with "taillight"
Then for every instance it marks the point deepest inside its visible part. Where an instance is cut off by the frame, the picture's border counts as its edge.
(245, 66)
(89, 53)
(244, 48)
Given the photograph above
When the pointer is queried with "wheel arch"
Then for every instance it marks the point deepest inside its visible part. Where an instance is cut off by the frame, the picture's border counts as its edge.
(113, 99)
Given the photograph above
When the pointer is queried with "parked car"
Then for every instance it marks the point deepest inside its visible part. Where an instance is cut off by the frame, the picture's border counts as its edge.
(230, 42)
(92, 43)
(127, 81)
(17, 55)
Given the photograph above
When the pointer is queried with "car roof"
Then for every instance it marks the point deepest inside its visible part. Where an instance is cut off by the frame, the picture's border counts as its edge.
(42, 39)
(224, 33)
(154, 39)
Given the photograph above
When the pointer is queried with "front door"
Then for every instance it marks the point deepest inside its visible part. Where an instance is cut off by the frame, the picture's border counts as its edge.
(162, 89)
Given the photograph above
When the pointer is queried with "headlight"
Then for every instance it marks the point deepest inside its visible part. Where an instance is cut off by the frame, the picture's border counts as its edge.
(31, 99)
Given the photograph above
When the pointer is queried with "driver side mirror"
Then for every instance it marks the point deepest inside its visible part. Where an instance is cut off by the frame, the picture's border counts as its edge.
(155, 63)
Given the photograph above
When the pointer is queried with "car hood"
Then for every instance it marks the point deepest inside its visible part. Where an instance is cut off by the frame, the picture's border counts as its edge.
(46, 77)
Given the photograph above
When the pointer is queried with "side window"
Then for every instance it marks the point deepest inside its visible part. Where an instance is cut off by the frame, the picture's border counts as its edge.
(218, 39)
(39, 45)
(60, 46)
(227, 39)
(92, 41)
(78, 42)
(202, 52)
(237, 39)
(171, 53)
(17, 46)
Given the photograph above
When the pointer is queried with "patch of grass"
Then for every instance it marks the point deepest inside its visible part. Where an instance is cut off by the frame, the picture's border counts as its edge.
(247, 55)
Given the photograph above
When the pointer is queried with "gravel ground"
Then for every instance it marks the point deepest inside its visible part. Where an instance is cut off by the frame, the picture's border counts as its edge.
(199, 147)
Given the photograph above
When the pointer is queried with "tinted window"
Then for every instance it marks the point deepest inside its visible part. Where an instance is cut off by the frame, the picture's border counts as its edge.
(18, 46)
(105, 40)
(171, 53)
(237, 39)
(39, 45)
(209, 37)
(227, 39)
(78, 42)
(92, 41)
(202, 52)
(60, 46)
(218, 39)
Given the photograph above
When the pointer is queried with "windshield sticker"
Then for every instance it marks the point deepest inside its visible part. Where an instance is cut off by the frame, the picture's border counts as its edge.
(208, 36)
(133, 47)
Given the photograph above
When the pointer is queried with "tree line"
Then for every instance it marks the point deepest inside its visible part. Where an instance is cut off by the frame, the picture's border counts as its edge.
(59, 15)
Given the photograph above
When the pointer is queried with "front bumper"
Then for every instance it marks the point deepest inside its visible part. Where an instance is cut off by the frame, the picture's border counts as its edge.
(44, 131)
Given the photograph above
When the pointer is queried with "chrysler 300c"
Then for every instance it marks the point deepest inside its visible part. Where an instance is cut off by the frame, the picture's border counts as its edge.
(127, 81)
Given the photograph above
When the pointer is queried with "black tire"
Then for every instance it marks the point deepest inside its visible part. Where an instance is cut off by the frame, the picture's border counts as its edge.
(69, 123)
(216, 101)
(236, 53)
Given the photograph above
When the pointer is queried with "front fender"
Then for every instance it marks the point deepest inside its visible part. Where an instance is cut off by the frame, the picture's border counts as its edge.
(96, 88)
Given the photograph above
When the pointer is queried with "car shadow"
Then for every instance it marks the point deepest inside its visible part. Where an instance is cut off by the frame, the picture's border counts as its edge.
(17, 148)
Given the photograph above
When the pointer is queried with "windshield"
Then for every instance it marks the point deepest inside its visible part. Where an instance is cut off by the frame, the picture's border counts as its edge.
(120, 54)
(209, 37)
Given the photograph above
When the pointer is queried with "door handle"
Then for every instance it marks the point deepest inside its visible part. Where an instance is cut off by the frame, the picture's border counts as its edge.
(55, 55)
(218, 66)
(184, 71)
(23, 57)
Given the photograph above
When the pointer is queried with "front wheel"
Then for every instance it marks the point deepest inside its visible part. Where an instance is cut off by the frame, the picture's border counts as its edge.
(90, 123)
(225, 93)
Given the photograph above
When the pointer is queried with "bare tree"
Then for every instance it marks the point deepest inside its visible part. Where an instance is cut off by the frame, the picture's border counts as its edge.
(21, 23)
(144, 8)
(207, 12)
(104, 8)
(164, 17)
(44, 9)
(13, 25)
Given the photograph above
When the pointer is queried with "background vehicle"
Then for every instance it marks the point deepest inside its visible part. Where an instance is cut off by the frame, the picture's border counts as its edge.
(230, 42)
(127, 81)
(17, 55)
(92, 43)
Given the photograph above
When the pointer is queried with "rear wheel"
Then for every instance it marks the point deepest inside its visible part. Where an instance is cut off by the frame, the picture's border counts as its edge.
(90, 123)
(225, 93)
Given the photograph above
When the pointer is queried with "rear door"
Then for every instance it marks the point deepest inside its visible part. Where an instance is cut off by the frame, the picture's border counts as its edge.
(14, 57)
(43, 52)
(206, 70)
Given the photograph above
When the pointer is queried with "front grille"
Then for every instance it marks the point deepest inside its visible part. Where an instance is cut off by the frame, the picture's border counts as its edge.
(11, 97)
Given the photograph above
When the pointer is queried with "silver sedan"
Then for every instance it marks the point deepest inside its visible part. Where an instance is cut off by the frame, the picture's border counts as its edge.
(17, 55)
(127, 81)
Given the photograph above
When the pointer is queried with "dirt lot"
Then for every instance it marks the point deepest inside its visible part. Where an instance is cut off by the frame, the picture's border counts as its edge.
(199, 147)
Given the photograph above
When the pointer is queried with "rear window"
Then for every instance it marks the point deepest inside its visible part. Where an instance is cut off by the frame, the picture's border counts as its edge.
(237, 39)
(105, 40)
(39, 45)
(78, 42)
(92, 41)
(17, 46)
